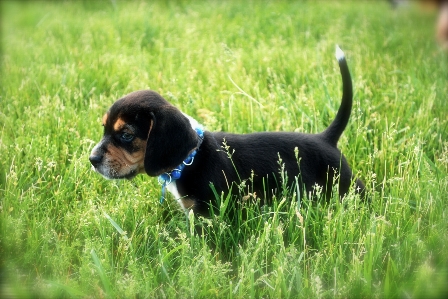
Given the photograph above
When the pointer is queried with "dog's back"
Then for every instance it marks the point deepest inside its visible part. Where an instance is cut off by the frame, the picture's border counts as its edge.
(308, 159)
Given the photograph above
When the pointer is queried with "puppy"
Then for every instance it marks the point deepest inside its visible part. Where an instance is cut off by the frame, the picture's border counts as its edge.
(143, 133)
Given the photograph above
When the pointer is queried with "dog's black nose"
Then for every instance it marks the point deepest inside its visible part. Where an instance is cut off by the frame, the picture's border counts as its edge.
(95, 160)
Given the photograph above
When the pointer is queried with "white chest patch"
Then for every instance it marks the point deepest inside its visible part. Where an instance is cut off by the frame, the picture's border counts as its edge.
(172, 188)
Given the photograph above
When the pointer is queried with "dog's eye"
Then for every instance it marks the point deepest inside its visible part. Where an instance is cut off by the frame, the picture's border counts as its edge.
(127, 137)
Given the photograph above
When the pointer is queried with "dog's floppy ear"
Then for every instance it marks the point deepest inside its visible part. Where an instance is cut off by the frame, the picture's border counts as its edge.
(170, 140)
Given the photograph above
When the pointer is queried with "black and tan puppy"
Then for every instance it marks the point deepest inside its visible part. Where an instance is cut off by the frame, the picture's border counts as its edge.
(143, 133)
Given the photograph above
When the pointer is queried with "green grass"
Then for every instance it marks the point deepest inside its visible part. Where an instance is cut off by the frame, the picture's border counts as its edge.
(239, 67)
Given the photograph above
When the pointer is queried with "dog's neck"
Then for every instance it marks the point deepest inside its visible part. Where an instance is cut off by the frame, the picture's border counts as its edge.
(193, 123)
(171, 176)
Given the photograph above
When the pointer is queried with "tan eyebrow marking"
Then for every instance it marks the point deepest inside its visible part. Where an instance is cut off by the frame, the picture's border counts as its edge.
(118, 125)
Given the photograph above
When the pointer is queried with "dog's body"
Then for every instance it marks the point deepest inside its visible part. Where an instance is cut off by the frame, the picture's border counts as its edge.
(145, 134)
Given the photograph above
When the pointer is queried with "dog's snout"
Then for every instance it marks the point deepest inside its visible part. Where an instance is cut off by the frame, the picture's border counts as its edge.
(95, 160)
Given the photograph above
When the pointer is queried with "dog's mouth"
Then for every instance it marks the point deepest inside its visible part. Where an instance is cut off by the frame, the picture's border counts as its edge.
(114, 175)
(114, 164)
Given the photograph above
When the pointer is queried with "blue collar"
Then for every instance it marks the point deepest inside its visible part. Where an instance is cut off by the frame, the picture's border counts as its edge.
(173, 175)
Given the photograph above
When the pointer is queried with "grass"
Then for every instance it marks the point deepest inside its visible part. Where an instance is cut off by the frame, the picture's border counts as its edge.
(239, 67)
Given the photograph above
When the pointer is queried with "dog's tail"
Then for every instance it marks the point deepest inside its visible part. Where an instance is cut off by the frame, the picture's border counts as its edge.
(335, 129)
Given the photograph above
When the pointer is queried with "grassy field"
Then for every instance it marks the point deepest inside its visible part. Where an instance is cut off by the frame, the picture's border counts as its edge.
(234, 66)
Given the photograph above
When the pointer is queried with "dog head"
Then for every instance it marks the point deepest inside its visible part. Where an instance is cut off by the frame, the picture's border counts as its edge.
(143, 133)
